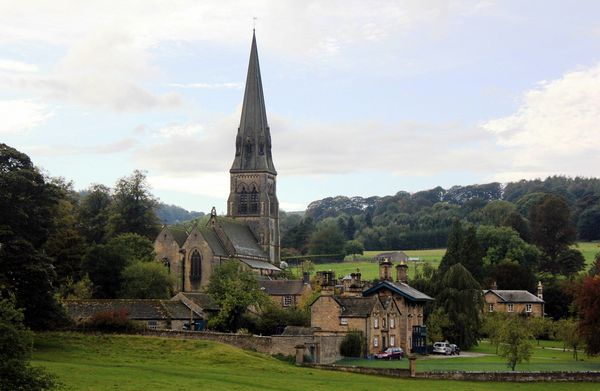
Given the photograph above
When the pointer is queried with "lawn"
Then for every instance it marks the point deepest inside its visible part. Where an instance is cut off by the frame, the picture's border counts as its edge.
(589, 251)
(548, 356)
(115, 362)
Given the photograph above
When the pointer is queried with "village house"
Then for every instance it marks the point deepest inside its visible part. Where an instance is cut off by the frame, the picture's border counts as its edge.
(287, 293)
(386, 313)
(514, 301)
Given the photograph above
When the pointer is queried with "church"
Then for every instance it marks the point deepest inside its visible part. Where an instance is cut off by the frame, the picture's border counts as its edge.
(250, 231)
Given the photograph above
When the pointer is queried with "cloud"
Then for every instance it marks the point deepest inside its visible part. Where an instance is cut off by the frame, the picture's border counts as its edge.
(184, 130)
(556, 128)
(19, 116)
(17, 66)
(65, 149)
(208, 86)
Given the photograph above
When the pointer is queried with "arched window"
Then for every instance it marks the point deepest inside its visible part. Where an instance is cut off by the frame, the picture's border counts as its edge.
(254, 201)
(196, 269)
(243, 206)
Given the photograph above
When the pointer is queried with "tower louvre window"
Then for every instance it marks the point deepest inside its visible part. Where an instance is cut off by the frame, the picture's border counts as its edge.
(254, 201)
(243, 206)
(196, 270)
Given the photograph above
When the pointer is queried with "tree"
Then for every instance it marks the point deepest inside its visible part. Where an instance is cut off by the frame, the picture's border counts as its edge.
(327, 239)
(27, 207)
(461, 299)
(437, 322)
(133, 247)
(133, 207)
(353, 344)
(492, 326)
(15, 351)
(495, 212)
(588, 226)
(104, 265)
(353, 247)
(568, 262)
(552, 229)
(567, 331)
(540, 326)
(454, 247)
(587, 302)
(350, 228)
(234, 290)
(472, 258)
(146, 280)
(515, 344)
(511, 275)
(515, 221)
(94, 213)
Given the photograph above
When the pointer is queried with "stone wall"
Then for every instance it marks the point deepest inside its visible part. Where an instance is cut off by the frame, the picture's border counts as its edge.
(513, 376)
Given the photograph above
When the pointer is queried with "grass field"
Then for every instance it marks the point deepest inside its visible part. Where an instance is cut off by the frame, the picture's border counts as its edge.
(114, 362)
(548, 356)
(370, 269)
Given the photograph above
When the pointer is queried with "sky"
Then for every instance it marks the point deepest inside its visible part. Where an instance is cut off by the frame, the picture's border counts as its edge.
(363, 97)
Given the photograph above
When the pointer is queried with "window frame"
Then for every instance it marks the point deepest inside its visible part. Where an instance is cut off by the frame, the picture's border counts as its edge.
(510, 307)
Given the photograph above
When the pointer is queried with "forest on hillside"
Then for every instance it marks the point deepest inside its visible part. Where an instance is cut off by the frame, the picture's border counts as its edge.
(424, 219)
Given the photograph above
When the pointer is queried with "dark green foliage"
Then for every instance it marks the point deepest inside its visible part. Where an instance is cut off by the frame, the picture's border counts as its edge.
(350, 228)
(353, 344)
(472, 257)
(515, 221)
(551, 229)
(511, 275)
(234, 290)
(172, 214)
(94, 212)
(515, 341)
(568, 262)
(461, 299)
(15, 351)
(146, 280)
(273, 319)
(500, 244)
(133, 208)
(298, 236)
(104, 265)
(454, 247)
(558, 296)
(327, 239)
(353, 247)
(133, 247)
(589, 224)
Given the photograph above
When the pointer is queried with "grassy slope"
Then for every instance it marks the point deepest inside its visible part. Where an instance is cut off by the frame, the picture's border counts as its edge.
(370, 269)
(547, 357)
(86, 362)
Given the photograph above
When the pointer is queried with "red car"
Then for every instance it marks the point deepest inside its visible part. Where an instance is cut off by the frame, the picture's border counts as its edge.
(390, 354)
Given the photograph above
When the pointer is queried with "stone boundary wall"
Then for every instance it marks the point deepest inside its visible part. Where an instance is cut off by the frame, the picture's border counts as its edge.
(468, 376)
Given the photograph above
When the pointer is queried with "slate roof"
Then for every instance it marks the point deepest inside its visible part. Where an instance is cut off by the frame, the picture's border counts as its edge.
(393, 256)
(136, 309)
(400, 288)
(515, 296)
(282, 287)
(359, 307)
(242, 238)
(203, 300)
(179, 234)
(255, 264)
(213, 241)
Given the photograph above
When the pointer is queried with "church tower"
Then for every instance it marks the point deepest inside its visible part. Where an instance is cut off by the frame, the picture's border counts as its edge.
(252, 197)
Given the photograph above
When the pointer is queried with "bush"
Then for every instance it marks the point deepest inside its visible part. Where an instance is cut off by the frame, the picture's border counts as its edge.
(111, 322)
(352, 345)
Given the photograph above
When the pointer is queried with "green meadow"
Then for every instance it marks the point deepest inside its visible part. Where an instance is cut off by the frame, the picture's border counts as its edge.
(370, 269)
(120, 362)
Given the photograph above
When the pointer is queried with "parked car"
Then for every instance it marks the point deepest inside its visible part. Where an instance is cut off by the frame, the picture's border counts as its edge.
(454, 349)
(442, 348)
(390, 354)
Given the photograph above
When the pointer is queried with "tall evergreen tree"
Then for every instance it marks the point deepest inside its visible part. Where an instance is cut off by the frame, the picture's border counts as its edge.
(472, 257)
(350, 228)
(454, 248)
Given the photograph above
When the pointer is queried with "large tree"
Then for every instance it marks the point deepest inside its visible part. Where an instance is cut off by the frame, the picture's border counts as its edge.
(588, 306)
(133, 207)
(515, 341)
(327, 239)
(552, 230)
(589, 224)
(94, 212)
(461, 299)
(146, 280)
(454, 247)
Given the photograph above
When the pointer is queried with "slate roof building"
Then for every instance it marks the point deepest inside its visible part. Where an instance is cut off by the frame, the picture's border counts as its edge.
(286, 293)
(250, 231)
(514, 301)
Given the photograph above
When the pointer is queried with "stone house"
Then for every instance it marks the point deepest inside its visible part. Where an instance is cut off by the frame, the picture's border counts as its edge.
(392, 256)
(514, 301)
(385, 313)
(286, 293)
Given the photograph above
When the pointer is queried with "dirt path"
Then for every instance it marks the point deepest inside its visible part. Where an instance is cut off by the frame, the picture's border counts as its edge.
(462, 354)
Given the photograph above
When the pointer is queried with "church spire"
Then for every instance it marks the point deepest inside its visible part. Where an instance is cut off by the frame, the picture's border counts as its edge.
(253, 141)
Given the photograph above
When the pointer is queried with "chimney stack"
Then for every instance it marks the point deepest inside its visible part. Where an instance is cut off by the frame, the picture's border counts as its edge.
(494, 286)
(305, 277)
(402, 272)
(385, 270)
(540, 290)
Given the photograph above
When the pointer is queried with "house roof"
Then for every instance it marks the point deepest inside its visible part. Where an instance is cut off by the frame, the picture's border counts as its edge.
(393, 255)
(360, 307)
(241, 238)
(203, 300)
(213, 241)
(514, 296)
(282, 287)
(400, 288)
(136, 309)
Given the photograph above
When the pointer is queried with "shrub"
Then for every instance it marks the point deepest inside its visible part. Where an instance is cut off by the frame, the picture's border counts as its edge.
(111, 322)
(352, 345)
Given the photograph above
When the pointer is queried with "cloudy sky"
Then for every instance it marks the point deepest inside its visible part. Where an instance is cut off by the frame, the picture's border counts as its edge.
(363, 97)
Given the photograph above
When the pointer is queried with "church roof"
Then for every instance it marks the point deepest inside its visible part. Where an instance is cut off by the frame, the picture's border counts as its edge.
(256, 264)
(213, 241)
(179, 234)
(241, 238)
(400, 288)
(515, 296)
(203, 300)
(253, 141)
(282, 287)
(136, 309)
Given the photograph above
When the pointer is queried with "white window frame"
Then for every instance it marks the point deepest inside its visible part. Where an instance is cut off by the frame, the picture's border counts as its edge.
(392, 323)
(376, 323)
(392, 340)
(491, 307)
(510, 307)
(528, 308)
(152, 324)
(287, 301)
(375, 342)
(343, 321)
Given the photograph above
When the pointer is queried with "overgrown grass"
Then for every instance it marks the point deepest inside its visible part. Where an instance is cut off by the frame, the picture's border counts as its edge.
(117, 362)
(589, 251)
(548, 356)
